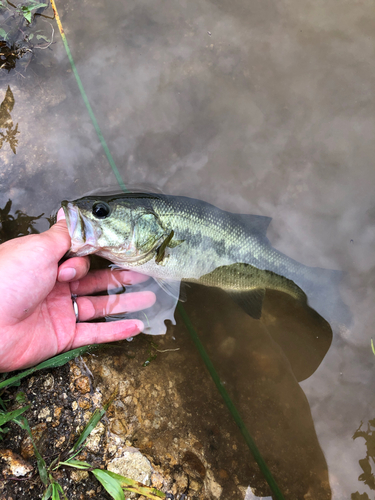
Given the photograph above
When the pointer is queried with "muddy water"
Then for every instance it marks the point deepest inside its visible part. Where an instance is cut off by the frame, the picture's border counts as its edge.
(262, 108)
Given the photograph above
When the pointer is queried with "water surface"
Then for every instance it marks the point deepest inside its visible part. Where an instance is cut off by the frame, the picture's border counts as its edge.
(263, 108)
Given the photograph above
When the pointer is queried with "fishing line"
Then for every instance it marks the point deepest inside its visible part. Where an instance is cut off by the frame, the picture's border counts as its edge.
(230, 405)
(86, 101)
(193, 334)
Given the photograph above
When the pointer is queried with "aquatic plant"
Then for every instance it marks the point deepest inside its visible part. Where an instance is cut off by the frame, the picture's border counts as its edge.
(18, 36)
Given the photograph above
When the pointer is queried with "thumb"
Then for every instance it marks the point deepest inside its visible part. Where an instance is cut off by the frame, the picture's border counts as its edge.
(58, 239)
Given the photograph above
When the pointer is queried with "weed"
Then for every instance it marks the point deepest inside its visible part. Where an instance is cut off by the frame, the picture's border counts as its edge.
(113, 483)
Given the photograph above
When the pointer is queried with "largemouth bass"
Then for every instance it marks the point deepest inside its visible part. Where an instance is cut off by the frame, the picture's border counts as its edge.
(174, 239)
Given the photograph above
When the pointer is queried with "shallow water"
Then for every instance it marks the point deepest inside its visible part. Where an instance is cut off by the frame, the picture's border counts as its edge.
(257, 108)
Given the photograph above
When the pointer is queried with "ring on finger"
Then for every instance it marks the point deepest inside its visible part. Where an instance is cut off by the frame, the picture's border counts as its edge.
(75, 307)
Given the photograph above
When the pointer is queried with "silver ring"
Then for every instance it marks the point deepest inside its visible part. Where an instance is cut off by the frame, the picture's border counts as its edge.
(75, 307)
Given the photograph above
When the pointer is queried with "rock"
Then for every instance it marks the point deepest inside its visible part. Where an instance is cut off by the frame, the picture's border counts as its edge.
(84, 403)
(15, 465)
(93, 441)
(82, 384)
(79, 475)
(193, 464)
(213, 486)
(49, 382)
(133, 465)
(45, 414)
(38, 432)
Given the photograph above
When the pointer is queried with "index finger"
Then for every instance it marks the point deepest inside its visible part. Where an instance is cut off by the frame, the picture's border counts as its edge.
(105, 279)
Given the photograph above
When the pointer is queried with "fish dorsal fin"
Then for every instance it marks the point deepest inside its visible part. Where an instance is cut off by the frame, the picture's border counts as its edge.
(257, 223)
(250, 301)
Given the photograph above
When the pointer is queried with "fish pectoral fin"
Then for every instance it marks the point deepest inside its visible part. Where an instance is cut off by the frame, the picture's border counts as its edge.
(172, 288)
(250, 301)
(174, 243)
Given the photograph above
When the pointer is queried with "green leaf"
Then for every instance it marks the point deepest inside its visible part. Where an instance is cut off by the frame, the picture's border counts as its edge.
(54, 362)
(21, 397)
(136, 487)
(36, 5)
(42, 468)
(77, 464)
(47, 494)
(109, 483)
(26, 13)
(91, 424)
(11, 415)
(372, 346)
(42, 37)
(3, 33)
(56, 490)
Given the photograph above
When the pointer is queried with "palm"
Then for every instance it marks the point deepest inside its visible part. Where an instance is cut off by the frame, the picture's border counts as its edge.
(48, 330)
(37, 319)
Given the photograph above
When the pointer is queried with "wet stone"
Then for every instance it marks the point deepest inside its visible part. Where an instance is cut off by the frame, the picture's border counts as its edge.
(79, 475)
(134, 465)
(94, 439)
(84, 403)
(13, 465)
(38, 432)
(82, 384)
(49, 382)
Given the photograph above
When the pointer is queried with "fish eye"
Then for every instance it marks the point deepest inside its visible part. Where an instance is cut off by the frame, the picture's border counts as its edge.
(101, 210)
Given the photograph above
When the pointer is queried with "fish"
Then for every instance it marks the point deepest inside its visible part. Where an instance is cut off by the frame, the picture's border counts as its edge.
(178, 239)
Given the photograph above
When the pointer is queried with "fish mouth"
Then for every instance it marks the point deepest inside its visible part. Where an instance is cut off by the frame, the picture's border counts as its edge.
(82, 233)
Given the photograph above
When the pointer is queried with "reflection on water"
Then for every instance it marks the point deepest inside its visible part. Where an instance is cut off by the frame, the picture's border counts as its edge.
(367, 463)
(270, 113)
(13, 226)
(6, 122)
(262, 381)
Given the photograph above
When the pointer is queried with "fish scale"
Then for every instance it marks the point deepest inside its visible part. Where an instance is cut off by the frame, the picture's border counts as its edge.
(203, 244)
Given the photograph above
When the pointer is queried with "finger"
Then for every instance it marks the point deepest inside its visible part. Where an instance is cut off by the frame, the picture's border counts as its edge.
(106, 279)
(98, 307)
(57, 240)
(73, 269)
(97, 333)
(60, 214)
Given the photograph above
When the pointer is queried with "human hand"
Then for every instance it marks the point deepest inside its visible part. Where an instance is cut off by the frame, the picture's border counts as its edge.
(37, 320)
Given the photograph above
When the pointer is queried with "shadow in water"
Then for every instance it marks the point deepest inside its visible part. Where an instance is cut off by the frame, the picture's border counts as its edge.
(6, 122)
(260, 363)
(366, 463)
(14, 226)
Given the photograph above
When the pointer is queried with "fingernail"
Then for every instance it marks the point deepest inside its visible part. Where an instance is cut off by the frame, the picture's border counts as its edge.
(139, 326)
(67, 274)
(60, 215)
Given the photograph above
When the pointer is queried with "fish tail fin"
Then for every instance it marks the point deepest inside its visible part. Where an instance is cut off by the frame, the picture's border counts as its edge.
(325, 298)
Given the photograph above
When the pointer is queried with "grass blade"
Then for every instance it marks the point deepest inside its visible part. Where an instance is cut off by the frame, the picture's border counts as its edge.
(54, 362)
(47, 494)
(110, 484)
(77, 464)
(136, 487)
(42, 468)
(11, 415)
(91, 424)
